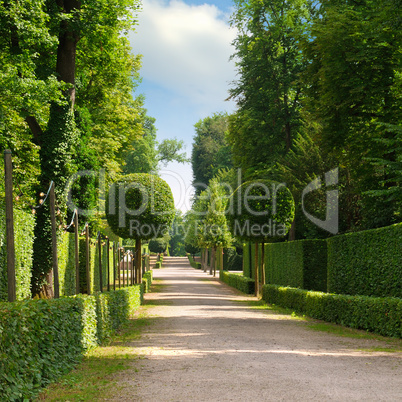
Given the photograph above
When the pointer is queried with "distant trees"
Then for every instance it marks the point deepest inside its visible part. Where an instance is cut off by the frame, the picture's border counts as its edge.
(210, 152)
(145, 153)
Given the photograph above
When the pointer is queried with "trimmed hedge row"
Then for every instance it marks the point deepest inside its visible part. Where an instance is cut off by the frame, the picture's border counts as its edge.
(366, 263)
(301, 264)
(374, 314)
(238, 281)
(147, 278)
(194, 264)
(43, 339)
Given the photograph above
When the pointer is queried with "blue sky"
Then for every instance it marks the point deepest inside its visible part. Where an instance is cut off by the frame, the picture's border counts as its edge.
(185, 72)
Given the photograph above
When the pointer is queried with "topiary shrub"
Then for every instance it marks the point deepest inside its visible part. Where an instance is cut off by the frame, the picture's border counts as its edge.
(157, 246)
(260, 211)
(140, 206)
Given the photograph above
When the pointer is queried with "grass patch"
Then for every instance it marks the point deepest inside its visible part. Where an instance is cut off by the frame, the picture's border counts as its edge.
(272, 308)
(93, 378)
(347, 332)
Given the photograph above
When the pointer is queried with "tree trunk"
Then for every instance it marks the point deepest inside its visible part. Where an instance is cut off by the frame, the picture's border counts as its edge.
(212, 262)
(138, 261)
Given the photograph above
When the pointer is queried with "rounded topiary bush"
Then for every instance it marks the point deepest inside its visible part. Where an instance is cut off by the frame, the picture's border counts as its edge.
(157, 246)
(140, 206)
(260, 210)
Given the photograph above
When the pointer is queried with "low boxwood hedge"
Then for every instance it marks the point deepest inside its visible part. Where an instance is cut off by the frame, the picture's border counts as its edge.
(238, 281)
(382, 315)
(43, 339)
(147, 280)
(193, 263)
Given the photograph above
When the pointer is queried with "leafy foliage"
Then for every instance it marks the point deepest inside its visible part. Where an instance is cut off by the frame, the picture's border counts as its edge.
(210, 151)
(147, 208)
(260, 210)
(267, 93)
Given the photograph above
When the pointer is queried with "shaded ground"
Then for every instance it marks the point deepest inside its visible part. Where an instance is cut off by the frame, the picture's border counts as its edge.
(206, 344)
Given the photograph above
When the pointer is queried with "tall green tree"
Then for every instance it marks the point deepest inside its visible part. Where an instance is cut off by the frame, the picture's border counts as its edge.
(354, 75)
(210, 151)
(145, 153)
(54, 51)
(267, 93)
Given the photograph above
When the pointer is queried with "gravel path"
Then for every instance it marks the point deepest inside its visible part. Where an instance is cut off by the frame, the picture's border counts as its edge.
(205, 344)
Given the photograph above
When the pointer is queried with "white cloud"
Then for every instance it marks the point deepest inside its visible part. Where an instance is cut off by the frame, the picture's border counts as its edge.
(186, 50)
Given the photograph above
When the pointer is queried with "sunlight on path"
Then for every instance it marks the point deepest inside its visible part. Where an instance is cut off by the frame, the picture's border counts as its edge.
(204, 343)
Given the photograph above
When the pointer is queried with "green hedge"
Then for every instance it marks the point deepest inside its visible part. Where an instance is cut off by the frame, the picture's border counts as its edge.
(366, 263)
(242, 283)
(301, 264)
(231, 260)
(23, 241)
(249, 259)
(147, 278)
(379, 315)
(66, 263)
(93, 266)
(193, 263)
(43, 339)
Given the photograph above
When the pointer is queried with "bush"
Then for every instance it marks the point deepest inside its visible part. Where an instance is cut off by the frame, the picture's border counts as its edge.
(231, 260)
(242, 283)
(24, 223)
(147, 278)
(366, 263)
(66, 263)
(301, 264)
(264, 210)
(157, 246)
(148, 203)
(194, 264)
(158, 264)
(43, 339)
(375, 314)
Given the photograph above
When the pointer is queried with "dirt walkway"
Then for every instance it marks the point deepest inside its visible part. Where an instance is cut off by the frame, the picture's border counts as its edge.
(204, 344)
